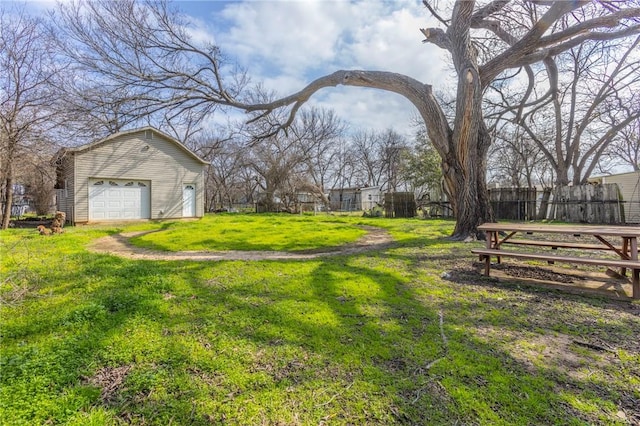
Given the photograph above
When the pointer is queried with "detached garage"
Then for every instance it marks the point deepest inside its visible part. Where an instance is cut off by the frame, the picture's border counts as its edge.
(132, 175)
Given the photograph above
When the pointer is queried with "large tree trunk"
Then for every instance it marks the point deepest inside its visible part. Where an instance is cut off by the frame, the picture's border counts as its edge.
(470, 205)
(470, 142)
(465, 180)
(6, 212)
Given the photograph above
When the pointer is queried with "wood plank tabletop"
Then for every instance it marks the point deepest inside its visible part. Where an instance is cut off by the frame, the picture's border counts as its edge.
(604, 230)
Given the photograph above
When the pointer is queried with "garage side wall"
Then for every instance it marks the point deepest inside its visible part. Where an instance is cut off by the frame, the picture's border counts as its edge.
(65, 187)
(142, 156)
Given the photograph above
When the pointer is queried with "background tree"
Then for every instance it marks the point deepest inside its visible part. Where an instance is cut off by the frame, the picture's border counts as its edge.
(515, 160)
(284, 161)
(142, 52)
(345, 174)
(393, 150)
(626, 146)
(91, 113)
(27, 94)
(224, 154)
(377, 159)
(148, 48)
(590, 98)
(368, 165)
(37, 174)
(421, 168)
(325, 131)
(224, 180)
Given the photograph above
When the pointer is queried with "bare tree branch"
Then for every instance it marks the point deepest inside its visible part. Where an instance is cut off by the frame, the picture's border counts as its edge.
(434, 13)
(488, 10)
(533, 47)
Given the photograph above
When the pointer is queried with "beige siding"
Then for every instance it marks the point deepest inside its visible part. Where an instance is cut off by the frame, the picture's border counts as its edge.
(629, 185)
(131, 156)
(65, 195)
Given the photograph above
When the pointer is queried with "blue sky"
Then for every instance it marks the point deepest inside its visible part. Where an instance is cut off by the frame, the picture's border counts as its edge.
(286, 44)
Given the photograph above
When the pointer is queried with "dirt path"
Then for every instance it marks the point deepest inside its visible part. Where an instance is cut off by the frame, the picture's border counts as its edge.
(119, 245)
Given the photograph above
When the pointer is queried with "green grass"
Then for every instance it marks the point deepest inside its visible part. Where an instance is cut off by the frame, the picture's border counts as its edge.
(93, 339)
(252, 232)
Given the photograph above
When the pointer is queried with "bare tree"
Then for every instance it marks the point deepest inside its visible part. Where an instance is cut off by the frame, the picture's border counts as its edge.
(393, 148)
(38, 175)
(369, 167)
(421, 166)
(274, 159)
(225, 180)
(626, 146)
(514, 159)
(286, 161)
(142, 50)
(149, 49)
(345, 171)
(378, 158)
(324, 132)
(27, 94)
(94, 112)
(590, 100)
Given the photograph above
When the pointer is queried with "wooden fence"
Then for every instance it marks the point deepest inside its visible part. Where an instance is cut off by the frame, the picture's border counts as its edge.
(577, 204)
(597, 204)
(399, 204)
(513, 203)
(588, 204)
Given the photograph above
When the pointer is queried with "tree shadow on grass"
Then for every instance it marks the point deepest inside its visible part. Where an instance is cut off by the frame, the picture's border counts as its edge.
(581, 345)
(348, 339)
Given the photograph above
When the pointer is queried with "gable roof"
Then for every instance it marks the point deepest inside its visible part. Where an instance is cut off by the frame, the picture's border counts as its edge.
(107, 139)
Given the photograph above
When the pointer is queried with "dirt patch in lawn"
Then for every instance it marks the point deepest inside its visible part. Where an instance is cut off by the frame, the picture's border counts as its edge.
(109, 380)
(571, 279)
(119, 245)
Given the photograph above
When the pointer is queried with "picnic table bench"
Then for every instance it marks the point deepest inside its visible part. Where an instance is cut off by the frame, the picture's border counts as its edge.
(622, 240)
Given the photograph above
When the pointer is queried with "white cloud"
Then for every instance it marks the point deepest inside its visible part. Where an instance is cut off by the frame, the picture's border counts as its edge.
(199, 31)
(285, 84)
(370, 109)
(287, 44)
(393, 43)
(291, 37)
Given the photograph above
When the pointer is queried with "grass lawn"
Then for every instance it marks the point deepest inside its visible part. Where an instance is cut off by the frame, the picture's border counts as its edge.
(252, 232)
(382, 337)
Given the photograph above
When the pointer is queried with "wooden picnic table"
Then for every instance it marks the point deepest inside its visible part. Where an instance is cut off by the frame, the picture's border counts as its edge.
(622, 240)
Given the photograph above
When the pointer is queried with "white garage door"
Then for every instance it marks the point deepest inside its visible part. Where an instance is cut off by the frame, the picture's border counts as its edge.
(117, 199)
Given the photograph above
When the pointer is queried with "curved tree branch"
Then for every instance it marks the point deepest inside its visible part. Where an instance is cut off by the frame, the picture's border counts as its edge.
(419, 94)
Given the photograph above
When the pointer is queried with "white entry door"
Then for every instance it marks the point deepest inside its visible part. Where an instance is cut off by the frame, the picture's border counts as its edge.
(118, 199)
(189, 200)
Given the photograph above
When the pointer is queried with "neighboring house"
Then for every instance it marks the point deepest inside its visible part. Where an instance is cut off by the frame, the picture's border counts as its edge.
(22, 203)
(629, 186)
(136, 174)
(351, 199)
